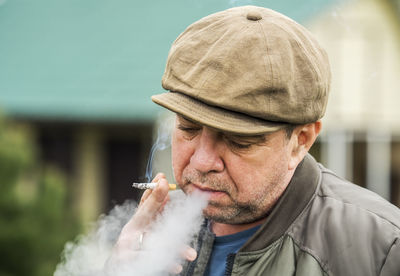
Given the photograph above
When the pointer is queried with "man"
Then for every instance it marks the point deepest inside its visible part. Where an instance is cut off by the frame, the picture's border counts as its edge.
(249, 87)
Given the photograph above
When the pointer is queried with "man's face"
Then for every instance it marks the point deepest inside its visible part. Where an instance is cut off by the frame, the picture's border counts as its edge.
(242, 176)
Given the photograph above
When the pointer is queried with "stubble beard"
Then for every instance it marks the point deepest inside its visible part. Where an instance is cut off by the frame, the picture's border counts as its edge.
(236, 214)
(254, 209)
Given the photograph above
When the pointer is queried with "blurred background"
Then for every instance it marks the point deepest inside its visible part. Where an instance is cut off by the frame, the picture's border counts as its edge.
(77, 123)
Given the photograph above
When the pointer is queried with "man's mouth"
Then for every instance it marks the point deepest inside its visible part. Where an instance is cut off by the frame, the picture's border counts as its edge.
(211, 193)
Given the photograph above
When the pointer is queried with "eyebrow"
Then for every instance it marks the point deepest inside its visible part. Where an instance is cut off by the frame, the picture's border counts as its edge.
(181, 117)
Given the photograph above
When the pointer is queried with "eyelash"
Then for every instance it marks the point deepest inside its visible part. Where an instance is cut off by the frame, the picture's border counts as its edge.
(189, 132)
(188, 129)
(230, 142)
(238, 146)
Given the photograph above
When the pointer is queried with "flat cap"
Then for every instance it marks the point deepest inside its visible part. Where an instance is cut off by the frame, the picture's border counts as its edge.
(246, 70)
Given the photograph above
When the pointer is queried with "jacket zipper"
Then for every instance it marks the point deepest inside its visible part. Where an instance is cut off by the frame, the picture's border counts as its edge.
(192, 265)
(229, 264)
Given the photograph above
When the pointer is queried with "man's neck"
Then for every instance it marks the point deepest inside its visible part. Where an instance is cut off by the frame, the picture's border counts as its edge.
(222, 229)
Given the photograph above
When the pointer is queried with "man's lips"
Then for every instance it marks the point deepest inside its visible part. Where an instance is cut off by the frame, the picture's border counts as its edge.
(210, 191)
(204, 188)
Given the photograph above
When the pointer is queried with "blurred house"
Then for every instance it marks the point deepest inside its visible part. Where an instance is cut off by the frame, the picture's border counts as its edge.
(361, 137)
(80, 74)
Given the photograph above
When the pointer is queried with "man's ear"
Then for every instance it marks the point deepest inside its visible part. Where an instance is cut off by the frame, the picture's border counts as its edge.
(303, 137)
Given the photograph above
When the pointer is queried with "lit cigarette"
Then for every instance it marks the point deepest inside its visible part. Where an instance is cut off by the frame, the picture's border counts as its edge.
(144, 186)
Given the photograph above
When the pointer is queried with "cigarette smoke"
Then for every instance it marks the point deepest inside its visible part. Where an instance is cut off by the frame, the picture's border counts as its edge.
(164, 131)
(162, 246)
(163, 243)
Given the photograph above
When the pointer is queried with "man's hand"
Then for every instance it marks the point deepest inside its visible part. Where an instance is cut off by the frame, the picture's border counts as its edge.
(130, 241)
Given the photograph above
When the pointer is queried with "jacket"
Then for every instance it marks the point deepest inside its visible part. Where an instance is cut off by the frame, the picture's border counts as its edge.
(321, 225)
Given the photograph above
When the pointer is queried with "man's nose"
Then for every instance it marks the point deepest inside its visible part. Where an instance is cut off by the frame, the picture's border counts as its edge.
(207, 156)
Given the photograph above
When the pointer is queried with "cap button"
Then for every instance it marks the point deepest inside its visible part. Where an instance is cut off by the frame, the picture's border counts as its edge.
(254, 16)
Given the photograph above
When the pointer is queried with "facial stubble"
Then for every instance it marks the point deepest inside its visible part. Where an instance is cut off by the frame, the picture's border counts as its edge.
(257, 207)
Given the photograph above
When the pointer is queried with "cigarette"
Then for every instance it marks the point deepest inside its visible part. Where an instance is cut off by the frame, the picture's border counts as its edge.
(144, 186)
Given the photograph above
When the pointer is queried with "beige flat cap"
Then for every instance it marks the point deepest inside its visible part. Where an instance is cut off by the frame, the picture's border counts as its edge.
(246, 70)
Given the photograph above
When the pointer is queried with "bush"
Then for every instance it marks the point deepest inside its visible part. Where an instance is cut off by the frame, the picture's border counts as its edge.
(35, 219)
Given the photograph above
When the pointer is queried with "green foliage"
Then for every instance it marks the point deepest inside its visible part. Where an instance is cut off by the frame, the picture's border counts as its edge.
(35, 219)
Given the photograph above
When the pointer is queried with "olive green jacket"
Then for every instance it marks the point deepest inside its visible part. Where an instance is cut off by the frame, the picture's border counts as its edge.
(322, 225)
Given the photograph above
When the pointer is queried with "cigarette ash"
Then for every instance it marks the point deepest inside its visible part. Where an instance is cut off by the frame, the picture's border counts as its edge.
(162, 247)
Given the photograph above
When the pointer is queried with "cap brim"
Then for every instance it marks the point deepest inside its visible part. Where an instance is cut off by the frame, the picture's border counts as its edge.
(215, 117)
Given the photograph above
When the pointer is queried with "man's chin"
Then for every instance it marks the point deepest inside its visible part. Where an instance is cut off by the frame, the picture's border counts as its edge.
(231, 215)
(219, 214)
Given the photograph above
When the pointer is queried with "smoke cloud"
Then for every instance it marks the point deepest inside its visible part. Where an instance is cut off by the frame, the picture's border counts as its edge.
(163, 244)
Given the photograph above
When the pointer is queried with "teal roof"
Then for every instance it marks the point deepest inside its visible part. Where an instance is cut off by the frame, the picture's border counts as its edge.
(98, 60)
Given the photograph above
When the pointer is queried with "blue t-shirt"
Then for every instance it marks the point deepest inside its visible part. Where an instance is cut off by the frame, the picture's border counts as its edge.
(223, 246)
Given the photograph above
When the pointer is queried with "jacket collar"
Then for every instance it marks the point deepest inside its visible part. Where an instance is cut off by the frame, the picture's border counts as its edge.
(299, 192)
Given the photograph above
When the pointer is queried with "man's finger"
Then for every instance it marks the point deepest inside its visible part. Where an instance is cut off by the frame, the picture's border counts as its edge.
(189, 254)
(149, 208)
(176, 269)
(148, 192)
